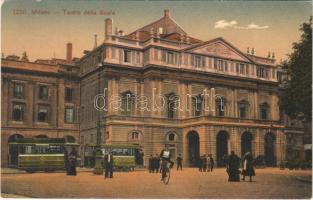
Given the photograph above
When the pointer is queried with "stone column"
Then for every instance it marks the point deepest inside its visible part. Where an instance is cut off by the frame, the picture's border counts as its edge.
(206, 106)
(256, 105)
(212, 143)
(213, 101)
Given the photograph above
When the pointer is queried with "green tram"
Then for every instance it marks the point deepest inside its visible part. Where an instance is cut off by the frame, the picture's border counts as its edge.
(41, 154)
(123, 155)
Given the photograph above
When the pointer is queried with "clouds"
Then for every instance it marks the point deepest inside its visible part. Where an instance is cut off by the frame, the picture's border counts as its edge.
(223, 24)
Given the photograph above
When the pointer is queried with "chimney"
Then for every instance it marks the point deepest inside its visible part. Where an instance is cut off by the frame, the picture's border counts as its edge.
(269, 55)
(95, 45)
(116, 31)
(166, 13)
(69, 48)
(248, 50)
(108, 23)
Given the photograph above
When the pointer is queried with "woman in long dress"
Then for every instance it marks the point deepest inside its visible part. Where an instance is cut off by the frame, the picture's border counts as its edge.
(248, 169)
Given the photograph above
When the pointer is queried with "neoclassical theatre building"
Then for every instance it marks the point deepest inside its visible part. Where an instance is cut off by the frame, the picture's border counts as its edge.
(154, 86)
(163, 86)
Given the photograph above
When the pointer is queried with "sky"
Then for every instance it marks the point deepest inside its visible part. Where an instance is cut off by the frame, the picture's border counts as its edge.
(267, 26)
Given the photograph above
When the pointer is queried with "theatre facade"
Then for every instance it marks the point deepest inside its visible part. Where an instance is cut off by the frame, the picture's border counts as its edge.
(162, 86)
(152, 87)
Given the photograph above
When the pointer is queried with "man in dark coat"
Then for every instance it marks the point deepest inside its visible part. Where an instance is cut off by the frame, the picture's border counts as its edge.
(72, 162)
(108, 165)
(157, 163)
(200, 163)
(66, 162)
(179, 161)
(150, 167)
(204, 163)
(233, 167)
(211, 163)
(247, 168)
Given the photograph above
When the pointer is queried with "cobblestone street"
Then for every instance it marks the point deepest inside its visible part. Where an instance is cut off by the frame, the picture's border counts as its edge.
(189, 183)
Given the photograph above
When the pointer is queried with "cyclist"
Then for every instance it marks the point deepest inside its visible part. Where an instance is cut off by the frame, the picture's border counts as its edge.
(165, 156)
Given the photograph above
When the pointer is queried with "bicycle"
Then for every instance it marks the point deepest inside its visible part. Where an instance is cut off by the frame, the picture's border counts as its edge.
(167, 175)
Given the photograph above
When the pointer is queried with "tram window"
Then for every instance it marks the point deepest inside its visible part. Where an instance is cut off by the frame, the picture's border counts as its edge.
(28, 149)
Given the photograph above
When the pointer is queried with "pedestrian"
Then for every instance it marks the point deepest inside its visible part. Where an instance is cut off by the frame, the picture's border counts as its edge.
(211, 162)
(150, 167)
(179, 161)
(204, 163)
(247, 169)
(72, 162)
(200, 163)
(66, 161)
(108, 165)
(154, 164)
(233, 167)
(157, 163)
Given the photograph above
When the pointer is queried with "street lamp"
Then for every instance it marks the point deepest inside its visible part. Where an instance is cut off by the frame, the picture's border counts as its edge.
(98, 169)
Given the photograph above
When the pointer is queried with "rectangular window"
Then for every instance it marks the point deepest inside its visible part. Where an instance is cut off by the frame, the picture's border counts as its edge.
(18, 112)
(69, 94)
(170, 58)
(237, 67)
(156, 54)
(241, 68)
(43, 92)
(215, 63)
(127, 56)
(18, 90)
(42, 115)
(69, 115)
(197, 62)
(225, 66)
(137, 57)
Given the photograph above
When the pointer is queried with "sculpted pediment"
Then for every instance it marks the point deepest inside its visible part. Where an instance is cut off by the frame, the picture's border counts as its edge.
(220, 48)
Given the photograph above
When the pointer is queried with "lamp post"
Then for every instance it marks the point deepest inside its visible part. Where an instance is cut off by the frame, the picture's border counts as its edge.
(98, 169)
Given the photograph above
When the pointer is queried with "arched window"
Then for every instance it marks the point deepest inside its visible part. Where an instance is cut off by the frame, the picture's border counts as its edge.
(135, 135)
(243, 108)
(171, 137)
(197, 105)
(264, 109)
(220, 103)
(127, 102)
(172, 105)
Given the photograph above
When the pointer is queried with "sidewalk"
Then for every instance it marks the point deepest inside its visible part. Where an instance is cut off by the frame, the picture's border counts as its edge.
(79, 170)
(18, 171)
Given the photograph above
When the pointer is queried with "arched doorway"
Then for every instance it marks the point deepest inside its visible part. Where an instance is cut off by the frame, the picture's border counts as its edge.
(13, 149)
(221, 148)
(269, 149)
(246, 143)
(193, 148)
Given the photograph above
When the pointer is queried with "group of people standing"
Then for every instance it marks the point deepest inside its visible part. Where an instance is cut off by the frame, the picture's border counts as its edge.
(154, 164)
(233, 165)
(206, 163)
